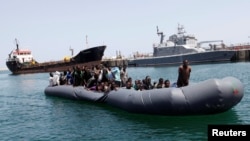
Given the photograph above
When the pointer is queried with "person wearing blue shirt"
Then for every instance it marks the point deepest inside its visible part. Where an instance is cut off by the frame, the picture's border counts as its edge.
(117, 76)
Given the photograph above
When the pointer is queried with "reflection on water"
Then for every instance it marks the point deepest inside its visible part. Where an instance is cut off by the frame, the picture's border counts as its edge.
(101, 116)
(27, 114)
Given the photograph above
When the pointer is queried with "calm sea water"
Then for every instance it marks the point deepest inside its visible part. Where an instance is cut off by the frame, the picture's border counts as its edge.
(27, 114)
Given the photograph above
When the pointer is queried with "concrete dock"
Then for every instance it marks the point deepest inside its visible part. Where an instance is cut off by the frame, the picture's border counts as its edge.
(240, 55)
(115, 62)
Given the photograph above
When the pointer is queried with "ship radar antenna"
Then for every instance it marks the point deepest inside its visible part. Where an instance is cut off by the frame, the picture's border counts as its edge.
(160, 34)
(181, 30)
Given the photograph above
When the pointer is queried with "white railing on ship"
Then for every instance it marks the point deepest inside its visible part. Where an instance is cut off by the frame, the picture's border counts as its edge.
(12, 59)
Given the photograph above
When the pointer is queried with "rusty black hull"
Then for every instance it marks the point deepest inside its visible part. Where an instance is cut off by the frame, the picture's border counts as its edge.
(89, 57)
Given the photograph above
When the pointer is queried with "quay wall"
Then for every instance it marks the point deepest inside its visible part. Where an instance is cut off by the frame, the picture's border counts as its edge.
(240, 55)
(115, 62)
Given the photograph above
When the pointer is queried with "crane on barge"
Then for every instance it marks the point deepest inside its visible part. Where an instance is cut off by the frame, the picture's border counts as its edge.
(212, 46)
(203, 42)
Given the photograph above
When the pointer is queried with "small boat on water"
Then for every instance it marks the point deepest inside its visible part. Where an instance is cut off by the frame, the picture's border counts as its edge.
(180, 47)
(207, 97)
(21, 61)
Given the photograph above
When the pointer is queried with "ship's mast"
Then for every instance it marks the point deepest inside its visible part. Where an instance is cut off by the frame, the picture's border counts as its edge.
(17, 46)
(160, 34)
(181, 30)
(72, 51)
(86, 41)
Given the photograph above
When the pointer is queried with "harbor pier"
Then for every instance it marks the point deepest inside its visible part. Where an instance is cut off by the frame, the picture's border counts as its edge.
(242, 52)
(115, 62)
(240, 55)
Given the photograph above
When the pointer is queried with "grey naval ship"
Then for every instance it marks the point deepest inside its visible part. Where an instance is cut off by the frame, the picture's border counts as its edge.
(181, 47)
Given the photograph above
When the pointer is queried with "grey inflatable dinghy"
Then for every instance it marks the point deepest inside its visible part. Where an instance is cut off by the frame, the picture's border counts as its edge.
(207, 97)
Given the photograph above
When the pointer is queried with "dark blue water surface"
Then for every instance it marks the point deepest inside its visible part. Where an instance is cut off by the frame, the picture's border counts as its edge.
(27, 114)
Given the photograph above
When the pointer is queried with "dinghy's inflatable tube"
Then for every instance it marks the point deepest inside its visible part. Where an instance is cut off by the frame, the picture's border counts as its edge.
(207, 97)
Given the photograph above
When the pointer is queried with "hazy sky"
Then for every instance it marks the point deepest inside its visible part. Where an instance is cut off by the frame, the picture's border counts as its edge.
(50, 27)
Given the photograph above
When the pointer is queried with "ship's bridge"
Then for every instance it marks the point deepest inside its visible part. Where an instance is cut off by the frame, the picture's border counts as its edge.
(23, 56)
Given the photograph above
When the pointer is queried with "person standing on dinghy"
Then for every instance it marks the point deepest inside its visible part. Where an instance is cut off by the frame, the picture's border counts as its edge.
(184, 74)
(117, 76)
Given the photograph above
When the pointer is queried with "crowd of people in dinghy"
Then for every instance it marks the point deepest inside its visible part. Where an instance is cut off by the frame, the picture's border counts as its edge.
(101, 78)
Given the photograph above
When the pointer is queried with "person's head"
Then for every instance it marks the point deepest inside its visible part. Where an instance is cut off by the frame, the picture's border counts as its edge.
(124, 68)
(185, 63)
(64, 72)
(120, 67)
(141, 87)
(99, 87)
(130, 79)
(128, 85)
(148, 79)
(97, 67)
(161, 80)
(105, 71)
(83, 68)
(167, 83)
(51, 74)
